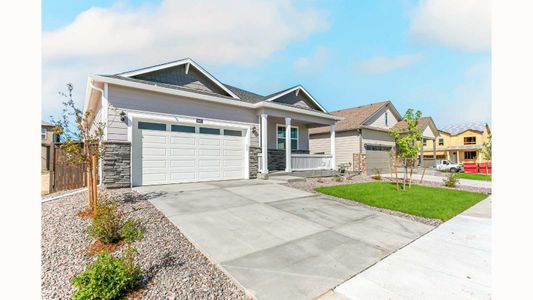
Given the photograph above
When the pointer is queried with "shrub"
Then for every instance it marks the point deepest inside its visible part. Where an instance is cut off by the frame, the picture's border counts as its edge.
(338, 178)
(108, 277)
(107, 222)
(131, 231)
(377, 174)
(451, 180)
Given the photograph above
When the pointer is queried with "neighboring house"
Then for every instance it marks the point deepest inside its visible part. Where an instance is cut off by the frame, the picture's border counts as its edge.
(428, 152)
(462, 142)
(48, 138)
(175, 122)
(363, 141)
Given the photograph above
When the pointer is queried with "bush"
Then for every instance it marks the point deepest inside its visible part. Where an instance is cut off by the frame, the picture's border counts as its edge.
(107, 222)
(131, 231)
(338, 178)
(377, 174)
(108, 277)
(451, 180)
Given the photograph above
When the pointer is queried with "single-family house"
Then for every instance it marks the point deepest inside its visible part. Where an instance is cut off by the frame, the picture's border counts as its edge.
(175, 122)
(461, 142)
(428, 152)
(48, 138)
(363, 141)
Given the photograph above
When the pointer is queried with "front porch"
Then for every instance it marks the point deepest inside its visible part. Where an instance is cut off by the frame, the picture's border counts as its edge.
(288, 150)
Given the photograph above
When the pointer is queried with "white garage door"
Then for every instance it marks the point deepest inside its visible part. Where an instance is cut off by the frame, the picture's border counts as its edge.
(191, 154)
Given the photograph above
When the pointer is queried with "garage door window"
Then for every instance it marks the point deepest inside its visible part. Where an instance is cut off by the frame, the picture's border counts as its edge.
(152, 126)
(206, 130)
(377, 148)
(182, 128)
(232, 132)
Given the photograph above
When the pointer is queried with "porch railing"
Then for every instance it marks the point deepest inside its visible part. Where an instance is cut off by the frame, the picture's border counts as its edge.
(305, 162)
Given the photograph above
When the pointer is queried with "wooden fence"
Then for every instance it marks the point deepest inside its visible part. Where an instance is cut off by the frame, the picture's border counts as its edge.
(65, 175)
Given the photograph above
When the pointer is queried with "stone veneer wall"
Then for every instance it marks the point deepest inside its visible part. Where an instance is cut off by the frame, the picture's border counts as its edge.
(116, 164)
(254, 162)
(359, 157)
(276, 158)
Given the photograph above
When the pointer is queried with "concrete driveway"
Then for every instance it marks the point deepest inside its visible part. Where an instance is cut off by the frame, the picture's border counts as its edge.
(280, 242)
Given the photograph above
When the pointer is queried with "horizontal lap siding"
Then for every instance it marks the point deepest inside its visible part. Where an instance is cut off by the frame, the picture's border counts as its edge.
(133, 99)
(346, 144)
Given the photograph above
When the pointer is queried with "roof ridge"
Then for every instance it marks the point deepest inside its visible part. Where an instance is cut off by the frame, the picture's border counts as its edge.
(382, 102)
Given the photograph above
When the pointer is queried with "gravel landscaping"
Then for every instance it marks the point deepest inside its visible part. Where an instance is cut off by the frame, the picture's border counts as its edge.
(174, 268)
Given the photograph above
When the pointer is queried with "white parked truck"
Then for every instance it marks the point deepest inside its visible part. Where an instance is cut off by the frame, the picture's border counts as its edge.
(448, 166)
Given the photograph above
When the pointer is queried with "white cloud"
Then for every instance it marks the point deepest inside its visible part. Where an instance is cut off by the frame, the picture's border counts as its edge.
(457, 24)
(384, 64)
(470, 101)
(109, 40)
(315, 61)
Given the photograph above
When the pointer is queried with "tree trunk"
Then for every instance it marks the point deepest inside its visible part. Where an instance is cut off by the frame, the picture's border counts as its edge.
(95, 187)
(396, 171)
(405, 173)
(411, 175)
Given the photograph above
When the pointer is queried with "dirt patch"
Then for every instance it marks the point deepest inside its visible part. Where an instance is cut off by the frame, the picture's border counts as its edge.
(98, 247)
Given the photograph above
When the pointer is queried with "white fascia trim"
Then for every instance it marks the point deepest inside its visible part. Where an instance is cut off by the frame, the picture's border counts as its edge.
(298, 89)
(226, 101)
(177, 63)
(132, 114)
(105, 109)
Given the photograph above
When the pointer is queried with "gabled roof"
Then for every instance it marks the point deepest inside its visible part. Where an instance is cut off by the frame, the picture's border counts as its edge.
(296, 89)
(423, 122)
(188, 62)
(456, 129)
(354, 117)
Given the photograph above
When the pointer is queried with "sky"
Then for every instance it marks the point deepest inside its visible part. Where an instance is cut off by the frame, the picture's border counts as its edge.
(430, 55)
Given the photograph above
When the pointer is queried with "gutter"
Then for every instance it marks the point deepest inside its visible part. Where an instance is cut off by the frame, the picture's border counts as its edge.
(160, 89)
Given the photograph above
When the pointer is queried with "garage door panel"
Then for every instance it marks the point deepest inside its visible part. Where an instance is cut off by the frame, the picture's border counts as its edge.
(173, 157)
(182, 141)
(376, 160)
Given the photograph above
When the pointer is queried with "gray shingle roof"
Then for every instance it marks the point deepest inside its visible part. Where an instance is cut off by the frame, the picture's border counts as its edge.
(245, 95)
(458, 128)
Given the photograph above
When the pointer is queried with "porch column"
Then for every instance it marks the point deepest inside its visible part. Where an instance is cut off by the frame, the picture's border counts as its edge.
(288, 146)
(435, 152)
(264, 144)
(332, 142)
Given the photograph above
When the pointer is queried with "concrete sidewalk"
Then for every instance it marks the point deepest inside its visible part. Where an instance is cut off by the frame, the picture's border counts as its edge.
(451, 262)
(433, 178)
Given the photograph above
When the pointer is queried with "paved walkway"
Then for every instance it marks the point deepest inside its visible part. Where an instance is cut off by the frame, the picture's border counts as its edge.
(463, 182)
(451, 262)
(280, 242)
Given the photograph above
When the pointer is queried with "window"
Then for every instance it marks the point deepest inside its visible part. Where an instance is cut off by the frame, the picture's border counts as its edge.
(470, 140)
(386, 118)
(441, 142)
(424, 142)
(232, 132)
(377, 147)
(206, 130)
(152, 126)
(470, 154)
(182, 128)
(281, 137)
(43, 133)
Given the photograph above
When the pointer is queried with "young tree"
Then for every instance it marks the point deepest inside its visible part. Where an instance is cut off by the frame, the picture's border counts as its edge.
(487, 152)
(408, 142)
(81, 130)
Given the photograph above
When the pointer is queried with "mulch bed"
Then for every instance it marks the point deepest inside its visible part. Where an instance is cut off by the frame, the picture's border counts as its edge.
(173, 267)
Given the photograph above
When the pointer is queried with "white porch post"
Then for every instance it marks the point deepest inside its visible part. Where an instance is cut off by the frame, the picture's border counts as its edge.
(264, 144)
(332, 142)
(288, 145)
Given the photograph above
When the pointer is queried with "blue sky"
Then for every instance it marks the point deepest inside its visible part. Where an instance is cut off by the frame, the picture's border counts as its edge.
(432, 55)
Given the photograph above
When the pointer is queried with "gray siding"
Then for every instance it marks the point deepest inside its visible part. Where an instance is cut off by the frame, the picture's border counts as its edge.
(123, 98)
(301, 100)
(303, 133)
(176, 75)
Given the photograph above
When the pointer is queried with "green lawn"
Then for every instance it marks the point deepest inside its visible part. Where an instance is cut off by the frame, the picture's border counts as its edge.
(474, 176)
(423, 201)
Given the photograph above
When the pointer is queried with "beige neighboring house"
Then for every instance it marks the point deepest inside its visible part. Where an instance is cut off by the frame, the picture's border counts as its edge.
(363, 142)
(429, 134)
(175, 122)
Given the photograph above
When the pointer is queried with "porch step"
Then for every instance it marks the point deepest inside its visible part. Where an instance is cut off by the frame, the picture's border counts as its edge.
(286, 178)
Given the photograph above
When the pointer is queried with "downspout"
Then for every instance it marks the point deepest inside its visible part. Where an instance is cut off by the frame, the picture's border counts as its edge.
(100, 171)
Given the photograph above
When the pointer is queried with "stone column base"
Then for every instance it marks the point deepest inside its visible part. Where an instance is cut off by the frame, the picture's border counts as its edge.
(116, 164)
